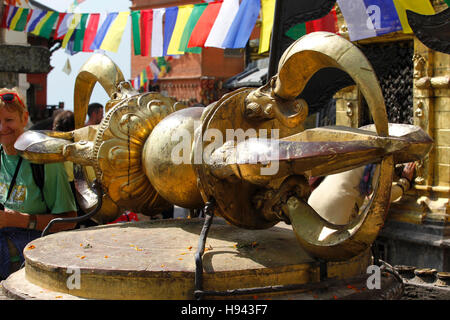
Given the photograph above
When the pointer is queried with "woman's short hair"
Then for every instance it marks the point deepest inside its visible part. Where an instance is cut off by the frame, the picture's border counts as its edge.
(14, 105)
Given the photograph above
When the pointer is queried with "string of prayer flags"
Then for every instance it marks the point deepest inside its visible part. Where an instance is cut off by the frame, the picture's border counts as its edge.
(188, 28)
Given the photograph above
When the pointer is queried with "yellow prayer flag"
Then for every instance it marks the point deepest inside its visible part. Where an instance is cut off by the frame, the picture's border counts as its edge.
(114, 36)
(38, 28)
(73, 24)
(16, 18)
(268, 13)
(182, 18)
(418, 6)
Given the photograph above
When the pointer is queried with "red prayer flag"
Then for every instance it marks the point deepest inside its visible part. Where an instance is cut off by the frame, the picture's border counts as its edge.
(91, 32)
(146, 31)
(58, 23)
(201, 30)
(327, 23)
(5, 15)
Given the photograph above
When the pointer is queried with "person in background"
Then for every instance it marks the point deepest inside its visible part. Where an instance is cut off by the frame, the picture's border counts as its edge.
(45, 124)
(64, 121)
(95, 114)
(25, 208)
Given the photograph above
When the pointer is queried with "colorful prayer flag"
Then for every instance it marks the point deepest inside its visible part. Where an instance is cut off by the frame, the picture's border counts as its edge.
(80, 35)
(11, 13)
(157, 33)
(73, 24)
(45, 26)
(268, 13)
(114, 36)
(155, 69)
(369, 18)
(62, 25)
(103, 30)
(182, 18)
(196, 13)
(20, 20)
(136, 32)
(243, 24)
(137, 84)
(146, 31)
(36, 16)
(91, 31)
(204, 25)
(223, 22)
(169, 25)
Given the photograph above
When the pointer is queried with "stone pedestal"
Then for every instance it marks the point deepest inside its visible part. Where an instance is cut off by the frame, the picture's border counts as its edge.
(156, 260)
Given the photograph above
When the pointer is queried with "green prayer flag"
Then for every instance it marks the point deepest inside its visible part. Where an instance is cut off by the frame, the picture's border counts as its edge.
(447, 2)
(190, 25)
(22, 23)
(79, 36)
(296, 31)
(47, 28)
(135, 25)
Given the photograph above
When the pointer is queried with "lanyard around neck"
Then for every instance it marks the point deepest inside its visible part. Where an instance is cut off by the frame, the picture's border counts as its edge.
(13, 180)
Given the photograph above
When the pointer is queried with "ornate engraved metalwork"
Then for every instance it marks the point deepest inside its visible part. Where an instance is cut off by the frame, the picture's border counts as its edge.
(136, 157)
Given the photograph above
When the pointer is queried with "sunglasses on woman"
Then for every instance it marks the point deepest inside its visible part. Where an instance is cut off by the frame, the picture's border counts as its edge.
(9, 97)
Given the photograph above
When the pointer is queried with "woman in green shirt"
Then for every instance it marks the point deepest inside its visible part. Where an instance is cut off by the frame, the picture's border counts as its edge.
(25, 211)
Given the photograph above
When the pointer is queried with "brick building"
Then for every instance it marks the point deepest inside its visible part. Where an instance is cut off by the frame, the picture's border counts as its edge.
(193, 78)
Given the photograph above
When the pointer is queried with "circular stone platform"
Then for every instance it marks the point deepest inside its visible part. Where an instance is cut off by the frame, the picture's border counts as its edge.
(155, 260)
